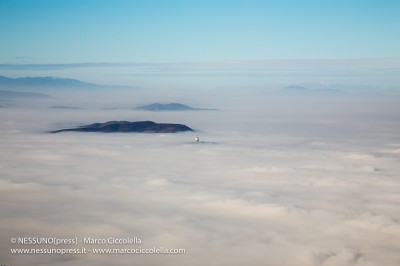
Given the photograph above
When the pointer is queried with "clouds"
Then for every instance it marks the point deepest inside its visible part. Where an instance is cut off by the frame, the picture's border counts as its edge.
(227, 77)
(274, 189)
(232, 68)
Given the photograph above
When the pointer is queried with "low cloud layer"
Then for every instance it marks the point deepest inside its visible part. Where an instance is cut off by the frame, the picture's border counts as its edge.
(372, 74)
(265, 185)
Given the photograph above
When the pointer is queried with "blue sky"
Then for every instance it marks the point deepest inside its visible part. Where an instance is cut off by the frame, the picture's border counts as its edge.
(43, 32)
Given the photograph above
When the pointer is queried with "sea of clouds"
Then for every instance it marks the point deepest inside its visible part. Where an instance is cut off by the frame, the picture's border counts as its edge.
(274, 180)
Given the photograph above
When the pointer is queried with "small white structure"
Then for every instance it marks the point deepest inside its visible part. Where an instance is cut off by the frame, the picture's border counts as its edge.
(197, 139)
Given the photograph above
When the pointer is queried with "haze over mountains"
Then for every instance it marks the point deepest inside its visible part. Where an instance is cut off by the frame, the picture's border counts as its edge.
(23, 95)
(40, 82)
(300, 90)
(49, 83)
(171, 107)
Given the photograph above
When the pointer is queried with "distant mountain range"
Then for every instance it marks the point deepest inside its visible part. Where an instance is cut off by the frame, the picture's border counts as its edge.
(157, 107)
(23, 95)
(65, 107)
(300, 90)
(47, 82)
(125, 126)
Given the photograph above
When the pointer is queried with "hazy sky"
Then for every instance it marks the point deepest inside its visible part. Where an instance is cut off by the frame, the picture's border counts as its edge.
(72, 31)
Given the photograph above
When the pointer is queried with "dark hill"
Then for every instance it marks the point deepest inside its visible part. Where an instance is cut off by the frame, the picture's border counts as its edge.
(125, 126)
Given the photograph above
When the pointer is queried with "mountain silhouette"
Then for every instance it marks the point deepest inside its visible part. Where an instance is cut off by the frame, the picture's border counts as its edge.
(125, 126)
